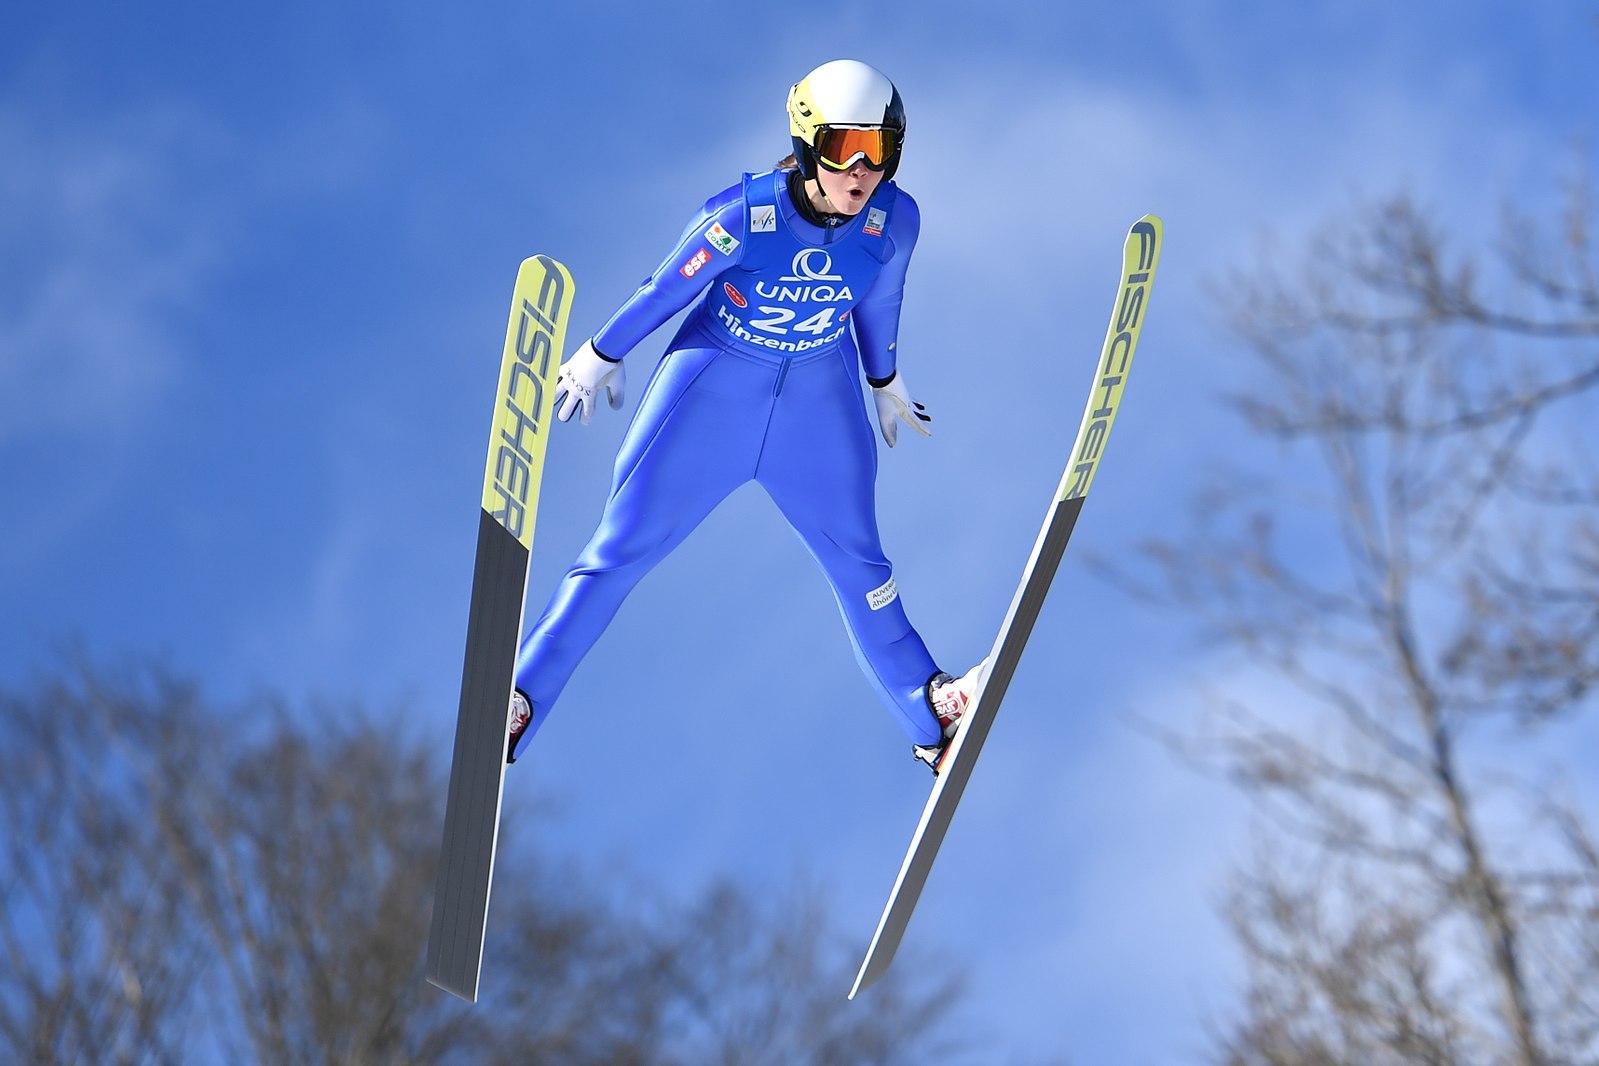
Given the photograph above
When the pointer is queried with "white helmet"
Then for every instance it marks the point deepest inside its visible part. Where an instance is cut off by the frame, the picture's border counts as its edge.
(843, 111)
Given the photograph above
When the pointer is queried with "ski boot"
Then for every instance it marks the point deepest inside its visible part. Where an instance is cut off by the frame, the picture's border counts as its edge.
(948, 698)
(521, 715)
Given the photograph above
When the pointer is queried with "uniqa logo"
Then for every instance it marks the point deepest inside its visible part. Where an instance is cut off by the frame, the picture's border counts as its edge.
(805, 268)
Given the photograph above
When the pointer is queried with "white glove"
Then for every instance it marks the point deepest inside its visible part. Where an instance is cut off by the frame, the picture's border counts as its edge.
(894, 405)
(581, 377)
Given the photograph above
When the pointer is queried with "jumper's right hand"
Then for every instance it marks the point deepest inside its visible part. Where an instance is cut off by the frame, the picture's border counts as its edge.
(581, 377)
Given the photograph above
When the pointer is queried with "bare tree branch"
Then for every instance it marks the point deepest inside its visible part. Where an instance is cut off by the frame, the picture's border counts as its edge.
(253, 885)
(1423, 562)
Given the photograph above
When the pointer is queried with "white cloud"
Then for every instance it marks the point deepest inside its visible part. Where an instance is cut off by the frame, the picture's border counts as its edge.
(108, 248)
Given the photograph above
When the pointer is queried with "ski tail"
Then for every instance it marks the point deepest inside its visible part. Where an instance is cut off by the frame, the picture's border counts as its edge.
(1140, 257)
(523, 413)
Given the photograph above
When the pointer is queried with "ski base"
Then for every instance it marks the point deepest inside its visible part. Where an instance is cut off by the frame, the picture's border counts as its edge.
(1140, 256)
(477, 772)
(523, 411)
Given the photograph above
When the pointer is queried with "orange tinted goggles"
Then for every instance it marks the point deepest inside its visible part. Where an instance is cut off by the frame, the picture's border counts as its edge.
(837, 147)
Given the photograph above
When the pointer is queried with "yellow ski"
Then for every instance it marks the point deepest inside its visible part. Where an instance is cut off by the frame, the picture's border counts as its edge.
(1140, 256)
(523, 413)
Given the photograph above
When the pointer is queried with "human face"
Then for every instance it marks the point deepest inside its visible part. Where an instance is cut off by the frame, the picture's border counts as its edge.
(843, 192)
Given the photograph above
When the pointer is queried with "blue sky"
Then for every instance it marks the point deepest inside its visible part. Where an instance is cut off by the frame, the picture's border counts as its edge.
(253, 285)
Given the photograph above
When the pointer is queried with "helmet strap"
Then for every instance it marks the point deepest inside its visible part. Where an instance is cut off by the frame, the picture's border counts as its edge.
(800, 194)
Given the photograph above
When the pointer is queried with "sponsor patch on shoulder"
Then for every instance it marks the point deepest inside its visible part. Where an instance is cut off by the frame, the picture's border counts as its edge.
(763, 219)
(720, 239)
(883, 595)
(875, 217)
(692, 267)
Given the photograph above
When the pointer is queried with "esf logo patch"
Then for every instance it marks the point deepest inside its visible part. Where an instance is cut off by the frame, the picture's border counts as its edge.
(692, 267)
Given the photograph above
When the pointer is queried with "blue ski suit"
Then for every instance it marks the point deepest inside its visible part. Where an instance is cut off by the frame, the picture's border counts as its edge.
(761, 382)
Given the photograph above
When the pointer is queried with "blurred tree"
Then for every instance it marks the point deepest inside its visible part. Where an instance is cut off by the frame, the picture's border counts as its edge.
(1413, 545)
(185, 883)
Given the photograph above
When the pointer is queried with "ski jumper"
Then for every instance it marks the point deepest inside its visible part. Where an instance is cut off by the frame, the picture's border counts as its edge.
(761, 382)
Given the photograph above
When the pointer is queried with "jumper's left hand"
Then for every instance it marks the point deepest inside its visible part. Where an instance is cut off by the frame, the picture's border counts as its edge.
(895, 405)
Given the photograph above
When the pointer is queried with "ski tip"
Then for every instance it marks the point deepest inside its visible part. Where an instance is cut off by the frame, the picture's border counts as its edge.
(1150, 228)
